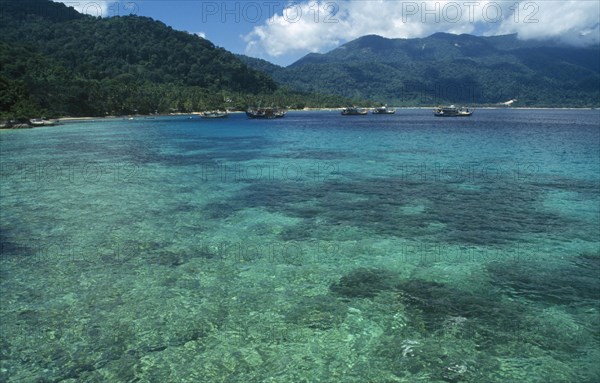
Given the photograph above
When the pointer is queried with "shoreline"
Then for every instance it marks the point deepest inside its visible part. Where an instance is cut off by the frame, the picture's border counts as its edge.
(18, 126)
(134, 116)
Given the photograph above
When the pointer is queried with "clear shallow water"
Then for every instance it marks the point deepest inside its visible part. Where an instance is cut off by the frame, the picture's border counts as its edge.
(313, 248)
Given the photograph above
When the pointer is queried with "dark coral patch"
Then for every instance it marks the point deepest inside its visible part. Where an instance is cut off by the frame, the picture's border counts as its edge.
(364, 283)
(496, 212)
(573, 282)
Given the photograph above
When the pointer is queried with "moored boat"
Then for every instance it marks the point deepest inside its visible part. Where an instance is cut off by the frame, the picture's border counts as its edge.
(354, 111)
(452, 111)
(384, 110)
(42, 122)
(214, 114)
(266, 113)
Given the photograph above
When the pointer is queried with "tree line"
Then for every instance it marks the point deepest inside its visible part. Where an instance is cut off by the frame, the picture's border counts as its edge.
(52, 65)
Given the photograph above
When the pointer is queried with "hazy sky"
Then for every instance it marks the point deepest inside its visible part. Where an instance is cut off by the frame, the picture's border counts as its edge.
(283, 31)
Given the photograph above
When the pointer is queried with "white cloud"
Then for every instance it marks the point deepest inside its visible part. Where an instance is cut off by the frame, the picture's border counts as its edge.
(96, 8)
(320, 25)
(571, 22)
(200, 34)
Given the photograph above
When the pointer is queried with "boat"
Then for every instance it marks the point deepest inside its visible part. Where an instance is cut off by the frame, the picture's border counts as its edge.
(354, 111)
(384, 110)
(42, 122)
(266, 113)
(214, 114)
(16, 124)
(452, 111)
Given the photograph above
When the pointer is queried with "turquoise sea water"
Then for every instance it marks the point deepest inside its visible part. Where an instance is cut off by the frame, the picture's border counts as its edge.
(315, 248)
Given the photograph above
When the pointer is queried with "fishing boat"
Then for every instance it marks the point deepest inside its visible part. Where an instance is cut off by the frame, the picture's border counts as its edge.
(384, 110)
(215, 114)
(452, 111)
(266, 113)
(354, 111)
(42, 122)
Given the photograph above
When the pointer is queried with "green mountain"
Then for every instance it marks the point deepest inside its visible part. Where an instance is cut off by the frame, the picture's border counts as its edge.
(55, 61)
(261, 65)
(449, 68)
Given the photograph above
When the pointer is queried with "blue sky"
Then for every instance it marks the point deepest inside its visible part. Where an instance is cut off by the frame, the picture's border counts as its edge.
(284, 31)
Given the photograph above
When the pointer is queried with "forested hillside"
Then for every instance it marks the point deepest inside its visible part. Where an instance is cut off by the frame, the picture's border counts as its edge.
(55, 61)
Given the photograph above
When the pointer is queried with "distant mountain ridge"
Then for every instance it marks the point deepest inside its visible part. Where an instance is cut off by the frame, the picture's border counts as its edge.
(449, 68)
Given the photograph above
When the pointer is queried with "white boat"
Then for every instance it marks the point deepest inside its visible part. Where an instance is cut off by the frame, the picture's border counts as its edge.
(354, 111)
(452, 111)
(266, 113)
(384, 110)
(42, 122)
(214, 114)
